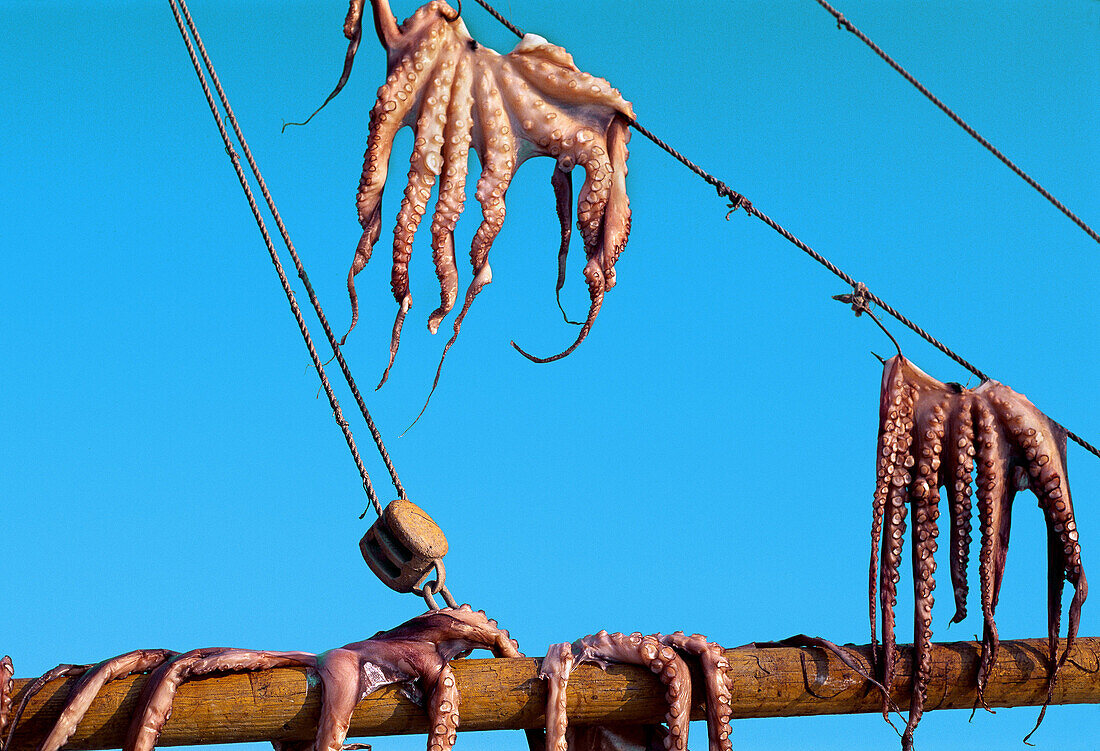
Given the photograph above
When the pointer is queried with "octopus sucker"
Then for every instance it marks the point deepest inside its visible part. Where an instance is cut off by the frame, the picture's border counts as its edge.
(532, 101)
(934, 435)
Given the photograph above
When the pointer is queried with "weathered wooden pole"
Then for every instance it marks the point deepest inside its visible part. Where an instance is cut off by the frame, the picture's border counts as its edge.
(500, 694)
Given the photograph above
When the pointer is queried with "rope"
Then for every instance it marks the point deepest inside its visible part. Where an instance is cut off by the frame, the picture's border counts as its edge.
(842, 22)
(495, 14)
(739, 201)
(295, 309)
(375, 434)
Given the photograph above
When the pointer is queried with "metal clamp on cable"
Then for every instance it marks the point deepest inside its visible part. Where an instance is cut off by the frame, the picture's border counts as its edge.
(858, 298)
(403, 547)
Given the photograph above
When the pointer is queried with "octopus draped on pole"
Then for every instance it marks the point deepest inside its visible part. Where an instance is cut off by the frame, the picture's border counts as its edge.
(934, 435)
(414, 656)
(458, 94)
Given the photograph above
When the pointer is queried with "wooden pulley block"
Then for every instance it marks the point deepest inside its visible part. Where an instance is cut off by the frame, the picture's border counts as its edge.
(403, 546)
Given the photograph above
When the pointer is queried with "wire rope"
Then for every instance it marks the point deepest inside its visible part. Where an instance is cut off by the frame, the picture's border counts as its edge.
(738, 201)
(284, 281)
(844, 23)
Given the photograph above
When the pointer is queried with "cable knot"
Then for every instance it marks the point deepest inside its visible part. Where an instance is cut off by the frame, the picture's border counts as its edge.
(858, 298)
(737, 201)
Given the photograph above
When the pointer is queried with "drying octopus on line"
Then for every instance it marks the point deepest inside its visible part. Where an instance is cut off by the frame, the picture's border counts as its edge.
(414, 656)
(457, 94)
(934, 435)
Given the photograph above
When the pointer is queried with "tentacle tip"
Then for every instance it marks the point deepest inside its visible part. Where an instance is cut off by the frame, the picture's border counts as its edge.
(528, 355)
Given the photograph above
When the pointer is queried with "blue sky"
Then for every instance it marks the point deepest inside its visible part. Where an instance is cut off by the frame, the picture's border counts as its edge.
(704, 461)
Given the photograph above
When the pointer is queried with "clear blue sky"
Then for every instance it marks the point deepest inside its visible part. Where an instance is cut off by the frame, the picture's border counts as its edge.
(704, 461)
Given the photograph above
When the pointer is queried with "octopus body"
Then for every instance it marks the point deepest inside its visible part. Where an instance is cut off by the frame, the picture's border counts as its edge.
(414, 656)
(457, 95)
(934, 435)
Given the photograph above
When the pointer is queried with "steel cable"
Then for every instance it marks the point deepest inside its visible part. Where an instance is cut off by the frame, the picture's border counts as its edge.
(738, 201)
(295, 309)
(844, 23)
(336, 351)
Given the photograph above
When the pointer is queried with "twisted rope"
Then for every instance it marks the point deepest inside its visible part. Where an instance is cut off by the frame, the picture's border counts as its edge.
(283, 280)
(738, 201)
(844, 23)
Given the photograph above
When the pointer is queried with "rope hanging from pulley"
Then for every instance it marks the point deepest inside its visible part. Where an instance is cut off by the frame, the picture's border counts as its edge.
(404, 546)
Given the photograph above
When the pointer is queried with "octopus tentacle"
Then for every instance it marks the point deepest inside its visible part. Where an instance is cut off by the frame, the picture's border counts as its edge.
(890, 457)
(555, 670)
(717, 681)
(616, 223)
(7, 671)
(995, 495)
(155, 704)
(562, 181)
(452, 189)
(89, 685)
(958, 468)
(924, 494)
(660, 659)
(384, 22)
(893, 538)
(443, 712)
(343, 684)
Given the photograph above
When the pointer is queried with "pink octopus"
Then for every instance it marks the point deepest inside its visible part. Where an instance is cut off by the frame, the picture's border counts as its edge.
(414, 656)
(459, 94)
(934, 435)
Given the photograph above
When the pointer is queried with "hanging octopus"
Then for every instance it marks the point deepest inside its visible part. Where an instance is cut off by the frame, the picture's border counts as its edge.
(415, 656)
(457, 94)
(934, 435)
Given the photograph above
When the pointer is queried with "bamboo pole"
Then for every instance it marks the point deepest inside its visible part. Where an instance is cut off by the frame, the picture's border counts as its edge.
(499, 694)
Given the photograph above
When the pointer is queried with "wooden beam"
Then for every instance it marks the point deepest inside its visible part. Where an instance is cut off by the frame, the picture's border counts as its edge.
(507, 694)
